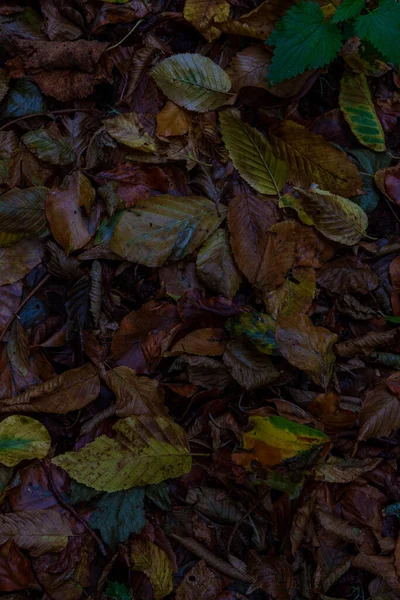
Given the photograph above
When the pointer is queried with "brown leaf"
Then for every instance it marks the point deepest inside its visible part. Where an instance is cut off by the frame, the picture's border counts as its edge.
(279, 256)
(249, 219)
(250, 368)
(272, 575)
(200, 583)
(367, 343)
(379, 414)
(326, 408)
(204, 342)
(347, 276)
(388, 181)
(135, 395)
(381, 566)
(38, 531)
(203, 371)
(69, 391)
(307, 347)
(345, 470)
(15, 570)
(394, 271)
(361, 538)
(63, 211)
(299, 524)
(173, 120)
(17, 260)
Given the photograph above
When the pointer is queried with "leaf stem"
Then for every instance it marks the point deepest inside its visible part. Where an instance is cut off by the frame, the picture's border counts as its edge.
(124, 38)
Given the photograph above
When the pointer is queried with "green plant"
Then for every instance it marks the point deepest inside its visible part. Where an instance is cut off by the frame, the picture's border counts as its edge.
(307, 39)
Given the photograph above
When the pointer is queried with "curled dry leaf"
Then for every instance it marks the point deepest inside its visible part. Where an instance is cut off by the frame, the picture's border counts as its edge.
(365, 344)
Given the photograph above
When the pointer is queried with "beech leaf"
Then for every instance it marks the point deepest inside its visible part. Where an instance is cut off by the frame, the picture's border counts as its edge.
(155, 563)
(22, 438)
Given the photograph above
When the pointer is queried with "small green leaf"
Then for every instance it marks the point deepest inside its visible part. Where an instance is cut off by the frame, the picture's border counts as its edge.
(356, 104)
(119, 514)
(24, 99)
(390, 319)
(193, 81)
(347, 10)
(381, 27)
(303, 40)
(22, 438)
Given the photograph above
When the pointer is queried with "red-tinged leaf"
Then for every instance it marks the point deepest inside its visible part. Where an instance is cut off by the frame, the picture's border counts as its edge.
(15, 570)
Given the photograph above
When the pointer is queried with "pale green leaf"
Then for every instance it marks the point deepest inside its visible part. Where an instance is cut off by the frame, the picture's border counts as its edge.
(193, 81)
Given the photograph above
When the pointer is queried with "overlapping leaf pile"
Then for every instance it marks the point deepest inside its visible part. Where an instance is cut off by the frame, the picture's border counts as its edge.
(199, 303)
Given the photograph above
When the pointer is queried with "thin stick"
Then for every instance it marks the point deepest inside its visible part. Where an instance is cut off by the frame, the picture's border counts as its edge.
(73, 512)
(124, 38)
(29, 296)
(62, 111)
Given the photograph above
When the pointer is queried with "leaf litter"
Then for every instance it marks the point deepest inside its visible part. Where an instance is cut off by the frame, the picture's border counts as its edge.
(199, 300)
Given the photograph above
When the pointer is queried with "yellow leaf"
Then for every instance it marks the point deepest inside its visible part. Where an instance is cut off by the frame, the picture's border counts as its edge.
(251, 154)
(22, 438)
(339, 219)
(155, 563)
(172, 120)
(203, 13)
(147, 450)
(312, 159)
(165, 228)
(294, 296)
(275, 439)
(127, 130)
(359, 111)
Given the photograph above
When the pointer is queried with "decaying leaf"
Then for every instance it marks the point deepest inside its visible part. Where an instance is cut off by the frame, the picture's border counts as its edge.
(22, 438)
(154, 562)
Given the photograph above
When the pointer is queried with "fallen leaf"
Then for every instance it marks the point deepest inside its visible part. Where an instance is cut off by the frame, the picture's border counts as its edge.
(38, 531)
(259, 22)
(344, 470)
(203, 342)
(307, 347)
(200, 583)
(63, 211)
(248, 367)
(128, 130)
(257, 328)
(154, 562)
(252, 154)
(311, 159)
(22, 438)
(20, 258)
(272, 575)
(15, 571)
(173, 120)
(216, 267)
(135, 395)
(166, 228)
(365, 344)
(145, 451)
(275, 439)
(202, 14)
(379, 414)
(388, 181)
(193, 81)
(67, 392)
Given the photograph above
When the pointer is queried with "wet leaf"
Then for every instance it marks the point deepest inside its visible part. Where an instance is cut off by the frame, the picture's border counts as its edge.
(252, 154)
(22, 438)
(193, 81)
(155, 563)
(307, 347)
(166, 228)
(358, 108)
(275, 439)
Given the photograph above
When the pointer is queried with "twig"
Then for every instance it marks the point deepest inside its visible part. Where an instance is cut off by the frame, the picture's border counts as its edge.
(61, 111)
(29, 296)
(238, 524)
(73, 512)
(124, 38)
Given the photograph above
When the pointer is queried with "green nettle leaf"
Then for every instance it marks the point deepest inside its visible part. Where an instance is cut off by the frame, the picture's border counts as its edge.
(23, 211)
(24, 99)
(381, 27)
(193, 81)
(358, 108)
(55, 150)
(22, 438)
(119, 514)
(251, 154)
(368, 163)
(347, 10)
(165, 228)
(303, 40)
